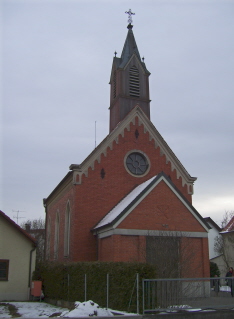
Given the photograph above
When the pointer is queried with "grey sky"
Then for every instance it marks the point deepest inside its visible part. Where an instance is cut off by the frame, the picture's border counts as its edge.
(56, 63)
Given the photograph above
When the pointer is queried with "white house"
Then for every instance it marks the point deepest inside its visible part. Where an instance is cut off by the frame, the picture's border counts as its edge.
(17, 260)
(214, 231)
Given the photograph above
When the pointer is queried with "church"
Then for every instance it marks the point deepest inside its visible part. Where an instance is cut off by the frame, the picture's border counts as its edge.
(130, 200)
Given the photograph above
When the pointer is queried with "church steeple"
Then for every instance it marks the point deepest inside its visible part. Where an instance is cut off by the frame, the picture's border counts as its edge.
(129, 81)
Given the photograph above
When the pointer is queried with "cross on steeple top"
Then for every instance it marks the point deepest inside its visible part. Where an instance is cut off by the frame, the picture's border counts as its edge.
(130, 13)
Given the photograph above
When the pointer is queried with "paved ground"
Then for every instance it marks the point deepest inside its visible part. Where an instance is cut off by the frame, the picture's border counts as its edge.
(224, 300)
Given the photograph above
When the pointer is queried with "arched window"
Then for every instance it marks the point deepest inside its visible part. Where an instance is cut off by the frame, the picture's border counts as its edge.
(67, 230)
(56, 236)
(134, 82)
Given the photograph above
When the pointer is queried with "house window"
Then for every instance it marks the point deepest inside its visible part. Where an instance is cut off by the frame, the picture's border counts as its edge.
(67, 231)
(134, 82)
(4, 269)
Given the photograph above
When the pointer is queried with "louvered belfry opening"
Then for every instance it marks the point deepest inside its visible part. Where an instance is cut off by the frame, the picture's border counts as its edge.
(134, 82)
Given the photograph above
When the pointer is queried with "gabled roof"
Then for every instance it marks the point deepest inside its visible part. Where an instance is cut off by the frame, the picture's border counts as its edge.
(101, 149)
(229, 227)
(129, 202)
(126, 203)
(18, 228)
(136, 112)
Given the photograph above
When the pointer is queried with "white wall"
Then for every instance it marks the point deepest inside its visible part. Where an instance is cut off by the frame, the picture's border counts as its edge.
(213, 232)
(15, 247)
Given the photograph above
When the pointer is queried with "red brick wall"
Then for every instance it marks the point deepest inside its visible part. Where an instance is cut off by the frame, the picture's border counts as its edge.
(161, 210)
(194, 259)
(91, 200)
(122, 248)
(59, 205)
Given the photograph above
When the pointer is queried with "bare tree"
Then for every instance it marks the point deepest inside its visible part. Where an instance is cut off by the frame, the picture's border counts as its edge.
(36, 228)
(174, 253)
(34, 224)
(224, 244)
(226, 218)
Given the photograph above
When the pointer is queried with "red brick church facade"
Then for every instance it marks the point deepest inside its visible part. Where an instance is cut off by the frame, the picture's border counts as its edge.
(130, 190)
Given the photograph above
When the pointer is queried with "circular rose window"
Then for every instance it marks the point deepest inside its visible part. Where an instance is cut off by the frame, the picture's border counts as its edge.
(137, 163)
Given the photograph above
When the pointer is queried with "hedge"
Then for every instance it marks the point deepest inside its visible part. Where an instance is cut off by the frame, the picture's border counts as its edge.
(66, 281)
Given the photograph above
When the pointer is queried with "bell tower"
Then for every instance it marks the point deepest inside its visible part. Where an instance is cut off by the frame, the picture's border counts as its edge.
(129, 81)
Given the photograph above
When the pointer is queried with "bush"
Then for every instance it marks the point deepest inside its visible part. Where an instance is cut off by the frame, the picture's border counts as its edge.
(67, 282)
(214, 269)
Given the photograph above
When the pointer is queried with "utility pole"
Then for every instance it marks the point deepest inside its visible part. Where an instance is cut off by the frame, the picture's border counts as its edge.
(17, 215)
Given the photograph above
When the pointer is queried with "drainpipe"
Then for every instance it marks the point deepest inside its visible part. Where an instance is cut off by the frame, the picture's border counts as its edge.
(30, 266)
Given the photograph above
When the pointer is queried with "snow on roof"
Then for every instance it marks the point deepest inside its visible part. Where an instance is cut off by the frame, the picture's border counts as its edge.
(124, 203)
(229, 227)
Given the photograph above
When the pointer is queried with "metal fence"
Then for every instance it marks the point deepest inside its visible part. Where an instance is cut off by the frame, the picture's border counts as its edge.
(87, 290)
(159, 294)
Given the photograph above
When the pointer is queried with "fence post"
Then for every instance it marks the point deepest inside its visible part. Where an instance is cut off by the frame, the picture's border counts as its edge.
(85, 287)
(143, 297)
(107, 290)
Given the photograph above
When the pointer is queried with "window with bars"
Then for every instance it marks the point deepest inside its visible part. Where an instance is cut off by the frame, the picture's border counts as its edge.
(134, 82)
(4, 269)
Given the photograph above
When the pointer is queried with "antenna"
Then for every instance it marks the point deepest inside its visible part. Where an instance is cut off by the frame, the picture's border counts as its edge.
(17, 215)
(95, 134)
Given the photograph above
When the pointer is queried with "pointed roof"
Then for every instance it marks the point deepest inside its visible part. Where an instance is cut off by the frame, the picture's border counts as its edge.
(136, 112)
(101, 149)
(129, 49)
(114, 217)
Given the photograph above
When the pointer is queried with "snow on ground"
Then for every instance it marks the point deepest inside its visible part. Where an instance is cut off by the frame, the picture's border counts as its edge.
(44, 310)
(30, 309)
(84, 309)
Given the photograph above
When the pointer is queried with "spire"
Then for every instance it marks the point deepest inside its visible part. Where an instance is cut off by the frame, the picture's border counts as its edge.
(129, 80)
(129, 48)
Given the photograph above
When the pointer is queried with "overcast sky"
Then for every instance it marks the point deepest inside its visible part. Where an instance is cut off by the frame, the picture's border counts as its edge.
(56, 61)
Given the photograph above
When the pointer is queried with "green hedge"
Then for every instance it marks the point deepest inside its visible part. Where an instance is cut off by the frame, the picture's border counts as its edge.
(67, 282)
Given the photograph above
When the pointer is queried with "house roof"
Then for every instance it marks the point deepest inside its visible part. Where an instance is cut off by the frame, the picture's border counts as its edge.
(212, 223)
(18, 228)
(229, 227)
(129, 202)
